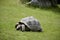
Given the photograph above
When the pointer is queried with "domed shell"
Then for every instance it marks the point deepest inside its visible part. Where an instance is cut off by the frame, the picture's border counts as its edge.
(31, 23)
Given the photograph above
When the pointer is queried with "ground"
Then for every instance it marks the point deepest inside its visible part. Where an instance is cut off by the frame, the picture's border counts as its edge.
(11, 11)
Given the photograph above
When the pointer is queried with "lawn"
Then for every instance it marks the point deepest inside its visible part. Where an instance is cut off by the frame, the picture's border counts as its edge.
(11, 11)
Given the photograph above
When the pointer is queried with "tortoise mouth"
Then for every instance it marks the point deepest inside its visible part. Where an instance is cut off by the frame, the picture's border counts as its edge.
(17, 28)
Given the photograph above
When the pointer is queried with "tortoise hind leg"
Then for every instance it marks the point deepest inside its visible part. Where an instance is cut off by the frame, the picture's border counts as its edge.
(40, 30)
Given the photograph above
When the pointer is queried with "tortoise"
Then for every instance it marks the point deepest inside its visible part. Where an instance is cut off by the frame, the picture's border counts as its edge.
(28, 24)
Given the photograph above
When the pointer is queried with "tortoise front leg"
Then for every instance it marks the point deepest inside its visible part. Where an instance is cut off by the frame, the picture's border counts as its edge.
(23, 27)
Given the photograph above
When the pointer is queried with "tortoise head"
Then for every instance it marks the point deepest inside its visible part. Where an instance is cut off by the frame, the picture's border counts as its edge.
(20, 26)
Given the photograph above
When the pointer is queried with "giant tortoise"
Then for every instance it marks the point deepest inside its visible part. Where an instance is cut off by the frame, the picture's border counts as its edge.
(28, 24)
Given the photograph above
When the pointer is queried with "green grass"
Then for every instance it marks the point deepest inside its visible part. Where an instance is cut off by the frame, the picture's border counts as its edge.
(11, 12)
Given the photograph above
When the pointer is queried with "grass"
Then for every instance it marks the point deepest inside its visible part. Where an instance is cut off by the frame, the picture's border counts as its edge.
(11, 12)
